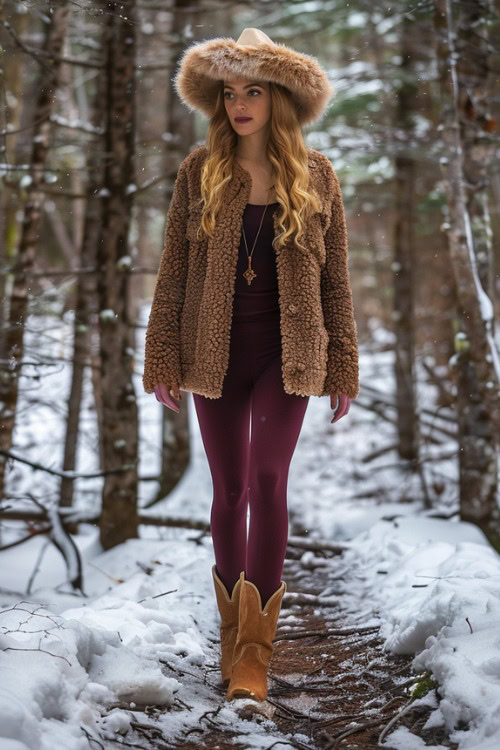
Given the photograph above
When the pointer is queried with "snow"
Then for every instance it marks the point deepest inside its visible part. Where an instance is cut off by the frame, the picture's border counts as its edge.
(124, 262)
(145, 635)
(436, 588)
(107, 315)
(403, 739)
(66, 122)
(86, 660)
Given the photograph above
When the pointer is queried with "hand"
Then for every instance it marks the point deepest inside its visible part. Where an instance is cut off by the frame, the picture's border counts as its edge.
(163, 395)
(340, 405)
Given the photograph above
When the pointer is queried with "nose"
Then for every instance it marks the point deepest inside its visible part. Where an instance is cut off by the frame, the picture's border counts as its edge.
(239, 104)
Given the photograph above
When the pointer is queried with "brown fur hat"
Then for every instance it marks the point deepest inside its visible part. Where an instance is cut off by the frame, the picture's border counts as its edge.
(253, 56)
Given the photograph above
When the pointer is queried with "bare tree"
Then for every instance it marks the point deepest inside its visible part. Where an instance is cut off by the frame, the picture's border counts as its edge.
(462, 75)
(118, 520)
(16, 112)
(180, 122)
(3, 158)
(404, 250)
(56, 27)
(86, 302)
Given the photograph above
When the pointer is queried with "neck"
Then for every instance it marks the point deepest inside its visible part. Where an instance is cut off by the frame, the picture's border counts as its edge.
(252, 148)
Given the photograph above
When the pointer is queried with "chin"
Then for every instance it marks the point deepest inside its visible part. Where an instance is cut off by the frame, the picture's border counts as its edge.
(248, 129)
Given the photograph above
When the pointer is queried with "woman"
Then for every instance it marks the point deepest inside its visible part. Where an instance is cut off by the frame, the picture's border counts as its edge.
(252, 312)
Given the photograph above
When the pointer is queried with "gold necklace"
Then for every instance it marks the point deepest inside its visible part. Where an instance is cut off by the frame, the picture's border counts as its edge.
(250, 274)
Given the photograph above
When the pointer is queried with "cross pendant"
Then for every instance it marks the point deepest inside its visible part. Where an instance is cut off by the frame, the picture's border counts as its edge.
(249, 273)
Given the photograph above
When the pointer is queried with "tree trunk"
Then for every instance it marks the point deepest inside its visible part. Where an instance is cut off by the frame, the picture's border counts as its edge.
(86, 302)
(19, 295)
(404, 254)
(476, 359)
(3, 195)
(175, 445)
(118, 521)
(476, 128)
(17, 143)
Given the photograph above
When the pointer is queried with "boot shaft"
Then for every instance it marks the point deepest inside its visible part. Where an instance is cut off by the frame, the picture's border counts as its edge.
(225, 603)
(254, 644)
(257, 624)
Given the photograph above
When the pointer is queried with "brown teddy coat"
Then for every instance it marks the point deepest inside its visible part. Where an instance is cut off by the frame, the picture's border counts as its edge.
(188, 334)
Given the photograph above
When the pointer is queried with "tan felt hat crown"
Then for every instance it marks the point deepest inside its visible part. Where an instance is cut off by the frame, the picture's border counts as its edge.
(252, 56)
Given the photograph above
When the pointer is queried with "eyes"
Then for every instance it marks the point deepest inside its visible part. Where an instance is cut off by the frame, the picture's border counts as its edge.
(250, 91)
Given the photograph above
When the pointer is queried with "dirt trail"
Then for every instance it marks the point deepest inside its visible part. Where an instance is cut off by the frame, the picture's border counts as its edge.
(326, 691)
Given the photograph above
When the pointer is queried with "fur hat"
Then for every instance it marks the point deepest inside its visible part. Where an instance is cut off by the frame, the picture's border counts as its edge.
(253, 56)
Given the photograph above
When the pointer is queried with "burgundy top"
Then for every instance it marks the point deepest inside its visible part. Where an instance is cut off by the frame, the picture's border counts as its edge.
(258, 300)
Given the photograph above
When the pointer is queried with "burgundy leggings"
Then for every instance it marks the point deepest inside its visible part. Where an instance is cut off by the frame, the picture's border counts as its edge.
(251, 470)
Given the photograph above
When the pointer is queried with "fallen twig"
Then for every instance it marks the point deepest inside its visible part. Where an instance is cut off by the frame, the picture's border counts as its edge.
(317, 545)
(293, 598)
(90, 738)
(394, 719)
(326, 633)
(69, 474)
(361, 727)
(353, 730)
(378, 452)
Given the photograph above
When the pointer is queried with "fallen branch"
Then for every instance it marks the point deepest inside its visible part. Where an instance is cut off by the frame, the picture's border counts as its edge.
(317, 545)
(72, 516)
(380, 404)
(37, 650)
(394, 719)
(327, 633)
(35, 532)
(379, 452)
(353, 730)
(361, 727)
(142, 727)
(435, 457)
(65, 474)
(60, 538)
(383, 397)
(90, 738)
(293, 598)
(288, 710)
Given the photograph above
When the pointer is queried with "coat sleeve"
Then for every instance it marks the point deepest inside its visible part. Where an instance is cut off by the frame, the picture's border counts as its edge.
(162, 350)
(336, 299)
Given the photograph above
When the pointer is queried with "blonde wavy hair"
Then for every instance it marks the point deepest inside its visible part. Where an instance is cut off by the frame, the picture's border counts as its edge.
(288, 156)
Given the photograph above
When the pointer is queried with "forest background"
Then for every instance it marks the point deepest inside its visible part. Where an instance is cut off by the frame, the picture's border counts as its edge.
(91, 137)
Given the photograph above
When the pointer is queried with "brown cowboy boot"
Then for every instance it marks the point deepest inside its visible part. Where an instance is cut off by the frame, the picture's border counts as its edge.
(228, 610)
(254, 644)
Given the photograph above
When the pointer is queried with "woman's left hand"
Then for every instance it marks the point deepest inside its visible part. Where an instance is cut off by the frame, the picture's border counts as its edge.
(340, 405)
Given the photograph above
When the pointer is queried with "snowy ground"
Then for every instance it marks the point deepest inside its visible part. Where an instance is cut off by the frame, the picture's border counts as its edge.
(142, 646)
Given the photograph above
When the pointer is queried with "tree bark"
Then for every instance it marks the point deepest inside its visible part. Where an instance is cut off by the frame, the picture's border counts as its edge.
(19, 294)
(118, 521)
(86, 299)
(175, 445)
(476, 360)
(404, 253)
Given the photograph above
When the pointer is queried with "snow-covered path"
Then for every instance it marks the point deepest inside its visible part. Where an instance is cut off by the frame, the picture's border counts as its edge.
(141, 648)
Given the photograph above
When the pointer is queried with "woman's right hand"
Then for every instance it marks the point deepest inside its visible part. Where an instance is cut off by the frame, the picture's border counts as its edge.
(163, 395)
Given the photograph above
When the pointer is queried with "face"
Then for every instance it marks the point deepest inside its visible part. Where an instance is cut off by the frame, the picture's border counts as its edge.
(247, 99)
